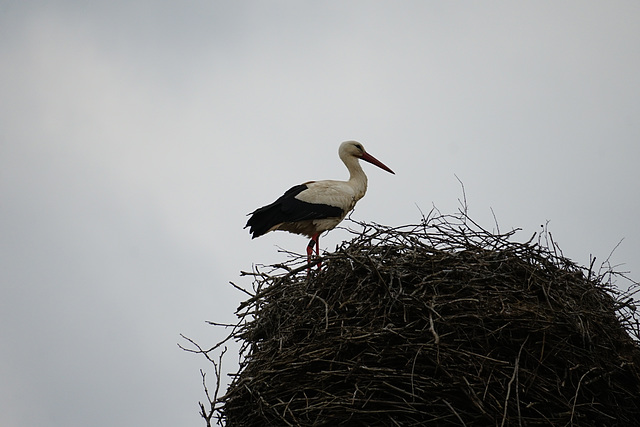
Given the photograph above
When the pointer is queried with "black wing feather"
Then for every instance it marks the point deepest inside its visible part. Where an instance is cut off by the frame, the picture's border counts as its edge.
(288, 209)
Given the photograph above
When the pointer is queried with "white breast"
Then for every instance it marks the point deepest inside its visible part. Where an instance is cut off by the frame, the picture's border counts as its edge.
(333, 193)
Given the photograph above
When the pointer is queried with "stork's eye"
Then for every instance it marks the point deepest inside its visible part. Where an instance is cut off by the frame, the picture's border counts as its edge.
(359, 147)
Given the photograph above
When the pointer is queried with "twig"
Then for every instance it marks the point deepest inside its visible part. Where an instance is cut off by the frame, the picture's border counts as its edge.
(513, 378)
(575, 397)
(454, 412)
(208, 413)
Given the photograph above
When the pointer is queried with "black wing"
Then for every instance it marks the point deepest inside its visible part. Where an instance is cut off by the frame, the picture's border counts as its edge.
(288, 209)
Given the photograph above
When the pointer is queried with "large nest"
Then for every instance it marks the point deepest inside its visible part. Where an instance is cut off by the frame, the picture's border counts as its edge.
(441, 323)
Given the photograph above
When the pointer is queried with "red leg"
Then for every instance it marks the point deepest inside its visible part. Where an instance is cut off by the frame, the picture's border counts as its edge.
(310, 250)
(313, 242)
(317, 238)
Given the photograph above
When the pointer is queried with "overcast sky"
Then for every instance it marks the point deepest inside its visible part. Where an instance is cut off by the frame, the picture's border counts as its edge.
(135, 136)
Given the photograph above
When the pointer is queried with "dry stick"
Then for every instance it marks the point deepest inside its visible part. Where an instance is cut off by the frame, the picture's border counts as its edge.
(513, 378)
(241, 289)
(207, 415)
(203, 412)
(413, 368)
(200, 350)
(225, 325)
(326, 309)
(593, 260)
(454, 411)
(287, 409)
(575, 398)
(436, 337)
(278, 281)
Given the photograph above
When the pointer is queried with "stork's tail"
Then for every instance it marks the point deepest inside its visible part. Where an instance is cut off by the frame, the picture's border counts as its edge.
(263, 220)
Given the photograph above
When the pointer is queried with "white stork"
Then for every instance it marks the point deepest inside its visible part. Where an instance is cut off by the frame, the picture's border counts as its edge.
(316, 206)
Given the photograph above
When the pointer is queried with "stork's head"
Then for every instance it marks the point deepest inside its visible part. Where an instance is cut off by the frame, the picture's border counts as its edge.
(355, 149)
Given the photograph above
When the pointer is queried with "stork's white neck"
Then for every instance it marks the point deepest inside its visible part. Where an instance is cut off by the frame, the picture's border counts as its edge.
(357, 177)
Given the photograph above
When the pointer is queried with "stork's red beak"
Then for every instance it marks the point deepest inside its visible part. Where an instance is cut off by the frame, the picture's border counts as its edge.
(369, 158)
